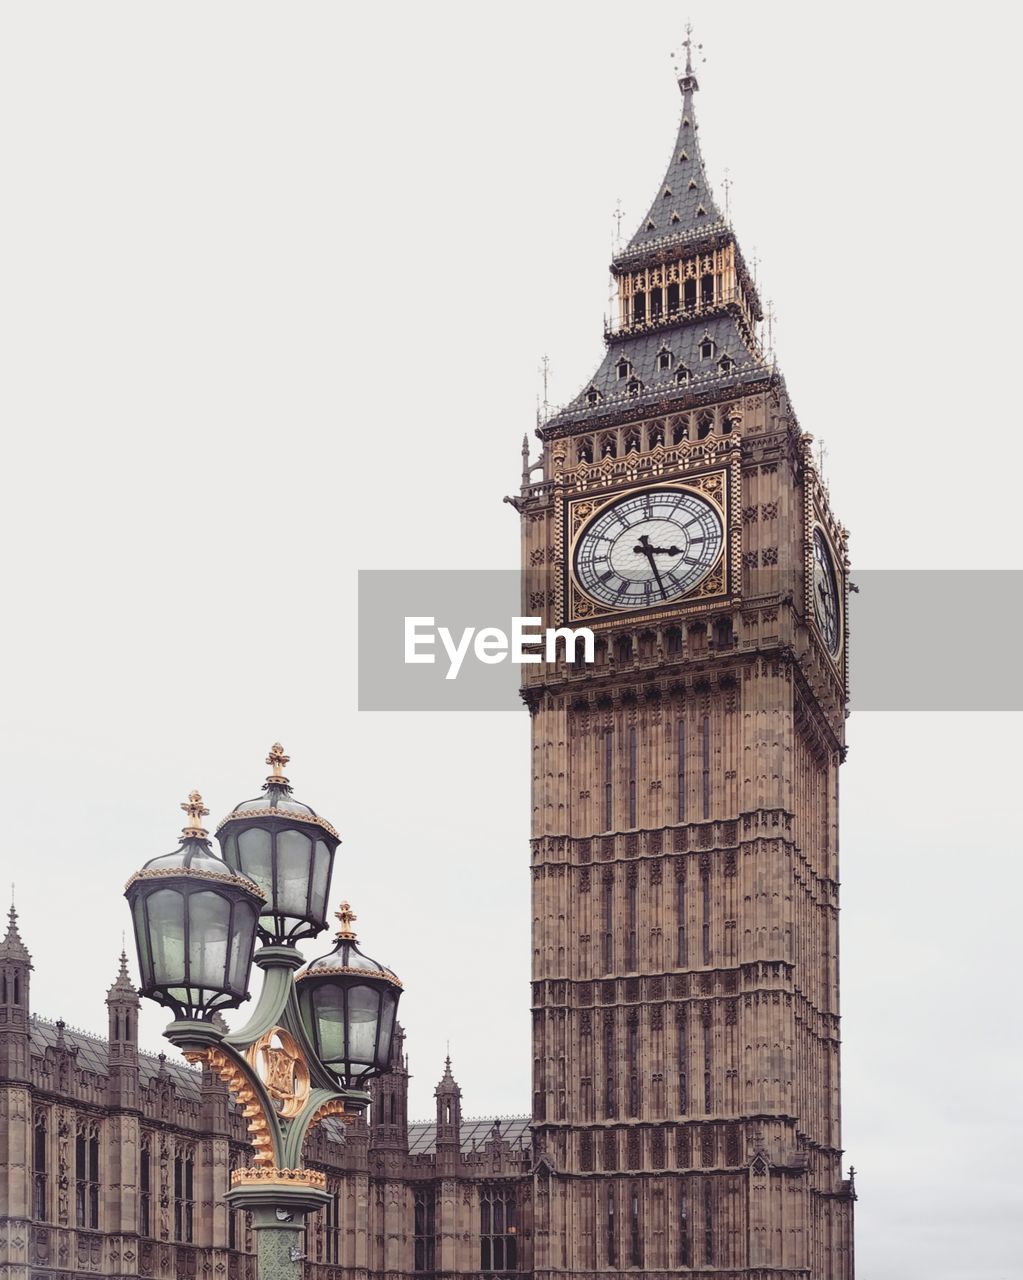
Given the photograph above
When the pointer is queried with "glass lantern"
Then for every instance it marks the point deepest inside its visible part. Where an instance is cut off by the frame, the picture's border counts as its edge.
(195, 925)
(349, 1004)
(287, 850)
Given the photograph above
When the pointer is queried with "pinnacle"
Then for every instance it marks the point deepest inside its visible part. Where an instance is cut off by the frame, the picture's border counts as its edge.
(122, 984)
(12, 947)
(448, 1084)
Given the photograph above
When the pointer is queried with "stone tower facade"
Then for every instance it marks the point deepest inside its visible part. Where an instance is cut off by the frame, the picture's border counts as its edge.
(685, 787)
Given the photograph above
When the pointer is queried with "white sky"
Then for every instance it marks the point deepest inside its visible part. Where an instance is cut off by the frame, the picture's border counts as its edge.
(276, 284)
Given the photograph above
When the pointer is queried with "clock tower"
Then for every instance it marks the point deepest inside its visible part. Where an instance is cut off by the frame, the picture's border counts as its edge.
(685, 786)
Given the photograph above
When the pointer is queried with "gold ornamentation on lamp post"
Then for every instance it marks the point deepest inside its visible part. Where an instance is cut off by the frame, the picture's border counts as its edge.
(196, 811)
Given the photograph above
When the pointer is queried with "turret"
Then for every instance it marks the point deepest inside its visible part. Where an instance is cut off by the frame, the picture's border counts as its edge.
(449, 1120)
(123, 1040)
(389, 1111)
(15, 967)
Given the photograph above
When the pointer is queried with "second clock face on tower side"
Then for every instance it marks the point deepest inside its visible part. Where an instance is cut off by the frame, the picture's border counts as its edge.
(648, 549)
(825, 594)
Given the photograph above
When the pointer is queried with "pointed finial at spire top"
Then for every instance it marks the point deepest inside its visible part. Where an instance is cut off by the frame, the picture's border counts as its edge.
(196, 811)
(277, 761)
(346, 915)
(687, 81)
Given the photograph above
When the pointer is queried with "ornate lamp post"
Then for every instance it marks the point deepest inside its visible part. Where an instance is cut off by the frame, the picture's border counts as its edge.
(317, 1035)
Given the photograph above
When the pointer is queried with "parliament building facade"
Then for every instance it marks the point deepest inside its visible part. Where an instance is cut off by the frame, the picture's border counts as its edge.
(685, 1111)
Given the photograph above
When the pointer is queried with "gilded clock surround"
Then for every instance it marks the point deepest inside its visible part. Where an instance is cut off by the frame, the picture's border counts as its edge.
(712, 486)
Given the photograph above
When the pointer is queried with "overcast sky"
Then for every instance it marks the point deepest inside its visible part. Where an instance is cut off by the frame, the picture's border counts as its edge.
(276, 282)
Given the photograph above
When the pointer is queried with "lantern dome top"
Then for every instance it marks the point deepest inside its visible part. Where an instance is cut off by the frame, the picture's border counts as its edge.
(194, 856)
(346, 956)
(277, 800)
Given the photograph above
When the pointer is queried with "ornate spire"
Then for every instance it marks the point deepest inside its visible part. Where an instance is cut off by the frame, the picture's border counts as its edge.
(684, 207)
(196, 811)
(447, 1083)
(122, 985)
(277, 761)
(346, 915)
(12, 947)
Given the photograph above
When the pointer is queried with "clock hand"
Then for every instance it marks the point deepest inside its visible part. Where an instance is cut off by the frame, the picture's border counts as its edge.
(647, 550)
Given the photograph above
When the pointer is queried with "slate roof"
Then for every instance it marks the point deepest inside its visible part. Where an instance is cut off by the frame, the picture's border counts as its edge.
(683, 341)
(92, 1056)
(684, 206)
(422, 1134)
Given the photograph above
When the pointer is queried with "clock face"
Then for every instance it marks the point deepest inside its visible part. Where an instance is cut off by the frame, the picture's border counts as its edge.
(648, 549)
(825, 593)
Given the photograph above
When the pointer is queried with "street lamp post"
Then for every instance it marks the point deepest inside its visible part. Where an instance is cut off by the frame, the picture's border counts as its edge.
(319, 1031)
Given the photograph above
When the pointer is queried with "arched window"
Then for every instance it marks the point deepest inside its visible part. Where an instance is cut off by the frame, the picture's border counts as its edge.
(146, 1188)
(184, 1194)
(689, 294)
(39, 1167)
(632, 440)
(704, 425)
(638, 308)
(683, 376)
(87, 1176)
(593, 396)
(673, 294)
(498, 1229)
(425, 1226)
(634, 386)
(584, 451)
(623, 649)
(726, 364)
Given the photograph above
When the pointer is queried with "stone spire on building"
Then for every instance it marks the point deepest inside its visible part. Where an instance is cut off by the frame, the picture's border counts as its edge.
(449, 1119)
(15, 967)
(123, 1006)
(389, 1110)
